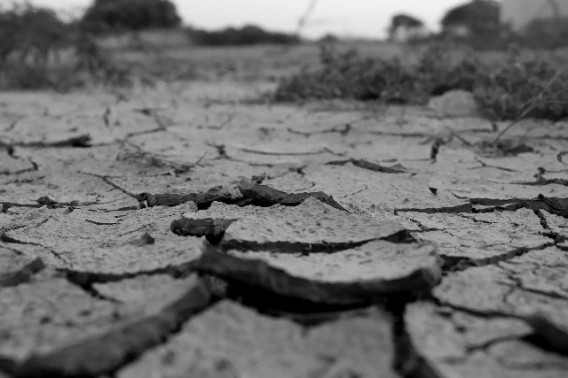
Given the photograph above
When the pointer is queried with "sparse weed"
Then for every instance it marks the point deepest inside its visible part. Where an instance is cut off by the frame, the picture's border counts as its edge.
(503, 85)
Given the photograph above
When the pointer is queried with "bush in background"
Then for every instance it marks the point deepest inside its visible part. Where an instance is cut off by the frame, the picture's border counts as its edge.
(38, 50)
(245, 36)
(504, 86)
(130, 15)
(31, 34)
(548, 34)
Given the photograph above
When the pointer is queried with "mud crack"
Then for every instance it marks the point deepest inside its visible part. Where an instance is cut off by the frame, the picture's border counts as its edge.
(119, 346)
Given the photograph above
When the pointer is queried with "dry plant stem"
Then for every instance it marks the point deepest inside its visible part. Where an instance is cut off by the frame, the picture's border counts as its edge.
(530, 105)
(302, 21)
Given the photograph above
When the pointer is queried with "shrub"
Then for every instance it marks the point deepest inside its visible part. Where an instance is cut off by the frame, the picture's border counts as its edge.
(549, 33)
(31, 34)
(245, 36)
(31, 39)
(503, 87)
(130, 15)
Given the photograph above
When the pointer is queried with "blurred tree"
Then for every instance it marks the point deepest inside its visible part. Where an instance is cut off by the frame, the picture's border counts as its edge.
(32, 33)
(130, 15)
(406, 24)
(245, 36)
(546, 33)
(478, 18)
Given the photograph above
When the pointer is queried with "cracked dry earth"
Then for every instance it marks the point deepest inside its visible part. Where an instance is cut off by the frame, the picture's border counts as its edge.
(193, 233)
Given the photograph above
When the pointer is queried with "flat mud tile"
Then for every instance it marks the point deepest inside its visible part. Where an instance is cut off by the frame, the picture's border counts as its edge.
(229, 340)
(32, 130)
(530, 287)
(377, 193)
(456, 344)
(45, 313)
(169, 147)
(118, 344)
(504, 188)
(10, 165)
(360, 276)
(140, 289)
(479, 238)
(309, 227)
(16, 267)
(121, 243)
(67, 189)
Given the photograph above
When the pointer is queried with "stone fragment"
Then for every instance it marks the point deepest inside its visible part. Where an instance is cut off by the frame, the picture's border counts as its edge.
(455, 103)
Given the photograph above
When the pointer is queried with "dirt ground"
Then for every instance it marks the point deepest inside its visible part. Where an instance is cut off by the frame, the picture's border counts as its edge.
(187, 231)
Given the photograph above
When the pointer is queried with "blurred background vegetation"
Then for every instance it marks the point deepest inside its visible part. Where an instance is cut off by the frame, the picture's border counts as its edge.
(125, 42)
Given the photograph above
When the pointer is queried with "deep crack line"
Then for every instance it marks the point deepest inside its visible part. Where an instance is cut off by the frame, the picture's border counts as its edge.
(408, 362)
(87, 278)
(107, 180)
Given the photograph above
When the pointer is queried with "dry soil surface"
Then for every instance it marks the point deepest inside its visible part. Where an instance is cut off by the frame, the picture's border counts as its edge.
(190, 232)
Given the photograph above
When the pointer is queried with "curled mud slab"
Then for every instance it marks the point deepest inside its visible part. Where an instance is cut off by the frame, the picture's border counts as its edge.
(340, 241)
(410, 270)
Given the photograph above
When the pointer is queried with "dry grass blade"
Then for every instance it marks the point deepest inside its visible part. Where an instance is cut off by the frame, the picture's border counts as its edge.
(531, 104)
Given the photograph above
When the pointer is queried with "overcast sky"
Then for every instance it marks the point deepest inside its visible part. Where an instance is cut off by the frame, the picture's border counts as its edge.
(368, 18)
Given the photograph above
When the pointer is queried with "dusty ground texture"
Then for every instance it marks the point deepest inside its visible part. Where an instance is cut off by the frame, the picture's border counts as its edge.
(188, 231)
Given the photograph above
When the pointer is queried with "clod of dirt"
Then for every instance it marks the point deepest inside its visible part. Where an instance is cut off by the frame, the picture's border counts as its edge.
(83, 140)
(374, 167)
(310, 227)
(397, 270)
(242, 193)
(455, 103)
(371, 261)
(213, 229)
(120, 345)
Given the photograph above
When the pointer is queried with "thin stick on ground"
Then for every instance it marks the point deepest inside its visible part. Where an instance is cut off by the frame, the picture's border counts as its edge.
(530, 105)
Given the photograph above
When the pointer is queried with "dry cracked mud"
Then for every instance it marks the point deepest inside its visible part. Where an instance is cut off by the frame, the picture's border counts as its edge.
(193, 232)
